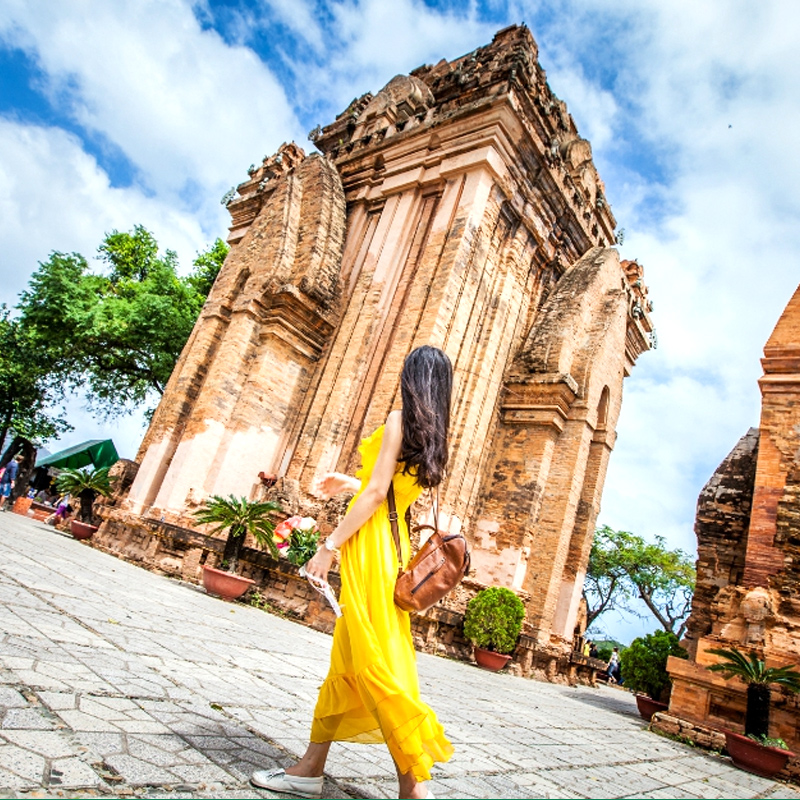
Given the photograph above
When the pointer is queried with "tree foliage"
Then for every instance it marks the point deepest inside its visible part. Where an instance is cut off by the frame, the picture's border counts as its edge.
(493, 619)
(623, 567)
(644, 664)
(26, 395)
(117, 334)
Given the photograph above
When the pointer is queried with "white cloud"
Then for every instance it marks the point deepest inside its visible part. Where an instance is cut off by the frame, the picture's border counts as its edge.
(589, 104)
(371, 41)
(673, 433)
(185, 108)
(53, 196)
(187, 111)
(298, 16)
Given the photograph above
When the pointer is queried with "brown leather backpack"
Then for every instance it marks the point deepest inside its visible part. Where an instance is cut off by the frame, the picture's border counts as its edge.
(439, 566)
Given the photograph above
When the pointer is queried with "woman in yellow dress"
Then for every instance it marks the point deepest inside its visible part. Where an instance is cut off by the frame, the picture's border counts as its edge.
(371, 693)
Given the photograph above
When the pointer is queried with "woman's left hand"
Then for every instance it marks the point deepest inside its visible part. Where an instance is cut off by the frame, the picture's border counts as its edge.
(319, 564)
(333, 483)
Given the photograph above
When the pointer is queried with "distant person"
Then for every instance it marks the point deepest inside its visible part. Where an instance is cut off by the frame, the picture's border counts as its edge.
(61, 516)
(8, 480)
(45, 497)
(587, 646)
(613, 667)
(593, 651)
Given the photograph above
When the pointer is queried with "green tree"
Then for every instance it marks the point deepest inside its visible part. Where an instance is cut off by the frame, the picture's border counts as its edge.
(116, 335)
(605, 587)
(239, 516)
(26, 395)
(623, 567)
(207, 266)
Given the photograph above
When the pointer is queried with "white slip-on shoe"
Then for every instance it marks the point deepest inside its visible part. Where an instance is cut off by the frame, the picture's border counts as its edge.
(276, 780)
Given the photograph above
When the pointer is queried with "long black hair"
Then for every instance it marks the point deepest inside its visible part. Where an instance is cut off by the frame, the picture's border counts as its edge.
(426, 384)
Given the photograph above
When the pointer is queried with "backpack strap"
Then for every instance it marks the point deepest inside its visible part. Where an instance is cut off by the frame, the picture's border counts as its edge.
(393, 522)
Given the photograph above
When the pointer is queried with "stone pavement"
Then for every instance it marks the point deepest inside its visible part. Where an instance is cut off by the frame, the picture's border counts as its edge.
(115, 682)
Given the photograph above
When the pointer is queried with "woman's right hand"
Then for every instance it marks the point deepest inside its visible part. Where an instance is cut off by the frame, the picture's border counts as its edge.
(319, 565)
(333, 483)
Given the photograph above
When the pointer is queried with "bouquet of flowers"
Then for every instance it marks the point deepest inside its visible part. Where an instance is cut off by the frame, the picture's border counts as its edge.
(297, 539)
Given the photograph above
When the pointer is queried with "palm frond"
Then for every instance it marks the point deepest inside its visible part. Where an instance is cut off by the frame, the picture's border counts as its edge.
(75, 481)
(787, 677)
(752, 670)
(247, 516)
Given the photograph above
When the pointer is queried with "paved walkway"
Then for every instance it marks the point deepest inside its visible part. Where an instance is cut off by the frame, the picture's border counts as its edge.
(115, 682)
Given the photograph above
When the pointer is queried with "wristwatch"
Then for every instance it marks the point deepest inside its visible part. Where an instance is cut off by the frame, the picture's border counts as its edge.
(329, 545)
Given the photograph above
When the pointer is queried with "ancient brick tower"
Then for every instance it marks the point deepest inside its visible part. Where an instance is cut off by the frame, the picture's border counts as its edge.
(748, 569)
(457, 207)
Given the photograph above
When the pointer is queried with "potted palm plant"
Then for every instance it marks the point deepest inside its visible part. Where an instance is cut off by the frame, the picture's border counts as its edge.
(86, 485)
(492, 622)
(644, 670)
(756, 751)
(239, 516)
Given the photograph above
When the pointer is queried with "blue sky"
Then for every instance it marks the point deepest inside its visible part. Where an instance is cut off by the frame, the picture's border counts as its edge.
(113, 114)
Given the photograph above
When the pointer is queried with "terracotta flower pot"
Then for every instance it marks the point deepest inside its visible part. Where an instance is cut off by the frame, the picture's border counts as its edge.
(225, 584)
(488, 659)
(21, 505)
(750, 755)
(647, 706)
(81, 530)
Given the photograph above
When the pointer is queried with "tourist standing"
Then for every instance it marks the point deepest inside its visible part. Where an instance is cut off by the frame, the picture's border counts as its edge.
(8, 480)
(613, 666)
(371, 694)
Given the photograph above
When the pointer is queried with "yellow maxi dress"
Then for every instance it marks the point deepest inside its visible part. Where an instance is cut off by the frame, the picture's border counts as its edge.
(371, 694)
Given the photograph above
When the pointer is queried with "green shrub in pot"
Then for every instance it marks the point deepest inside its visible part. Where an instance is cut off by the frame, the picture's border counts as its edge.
(644, 664)
(493, 619)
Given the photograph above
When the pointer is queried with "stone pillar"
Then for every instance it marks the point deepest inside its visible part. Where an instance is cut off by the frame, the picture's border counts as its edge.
(231, 408)
(574, 573)
(779, 443)
(560, 407)
(721, 524)
(534, 415)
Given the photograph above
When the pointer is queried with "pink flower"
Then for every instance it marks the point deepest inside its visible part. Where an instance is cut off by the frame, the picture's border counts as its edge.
(282, 533)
